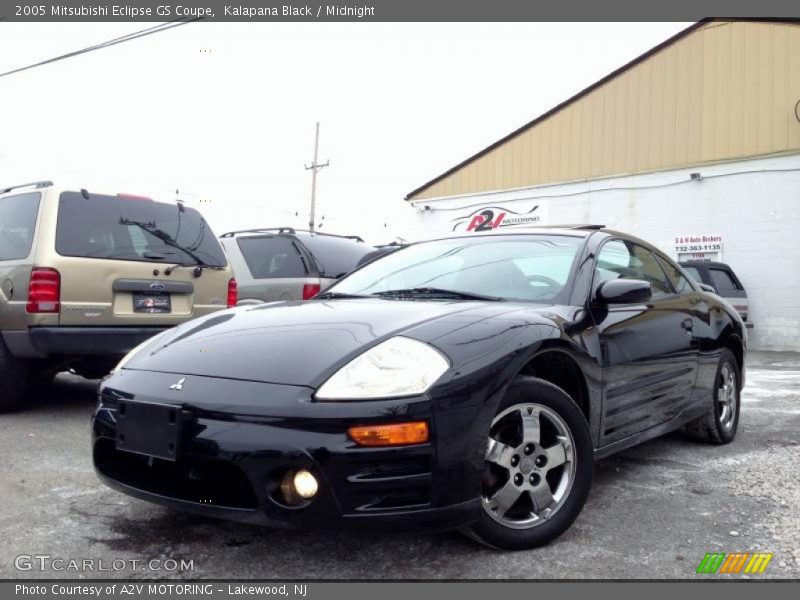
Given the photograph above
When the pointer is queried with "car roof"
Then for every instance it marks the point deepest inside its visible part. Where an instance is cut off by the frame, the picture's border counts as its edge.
(37, 185)
(569, 230)
(300, 233)
(579, 230)
(33, 186)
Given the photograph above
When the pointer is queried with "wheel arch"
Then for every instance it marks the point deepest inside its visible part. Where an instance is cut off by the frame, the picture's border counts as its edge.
(555, 364)
(735, 344)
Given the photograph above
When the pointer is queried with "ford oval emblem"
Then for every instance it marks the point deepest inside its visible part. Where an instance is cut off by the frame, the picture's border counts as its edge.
(157, 286)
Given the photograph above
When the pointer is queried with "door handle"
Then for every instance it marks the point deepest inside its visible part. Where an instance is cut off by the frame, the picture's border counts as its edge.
(687, 324)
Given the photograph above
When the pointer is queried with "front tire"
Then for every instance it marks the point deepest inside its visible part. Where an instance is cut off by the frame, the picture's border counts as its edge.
(538, 467)
(719, 425)
(13, 379)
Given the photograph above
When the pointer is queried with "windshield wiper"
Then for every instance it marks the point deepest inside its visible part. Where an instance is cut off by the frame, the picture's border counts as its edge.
(337, 296)
(431, 292)
(170, 241)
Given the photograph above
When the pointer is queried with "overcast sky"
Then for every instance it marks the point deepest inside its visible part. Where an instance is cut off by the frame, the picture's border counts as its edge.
(225, 113)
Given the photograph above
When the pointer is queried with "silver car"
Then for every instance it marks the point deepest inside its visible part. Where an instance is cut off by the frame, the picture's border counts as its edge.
(283, 263)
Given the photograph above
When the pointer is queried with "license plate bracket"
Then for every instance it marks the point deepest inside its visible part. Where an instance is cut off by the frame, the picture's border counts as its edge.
(152, 302)
(149, 428)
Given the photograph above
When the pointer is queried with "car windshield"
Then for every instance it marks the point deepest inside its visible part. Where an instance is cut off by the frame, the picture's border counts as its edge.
(531, 268)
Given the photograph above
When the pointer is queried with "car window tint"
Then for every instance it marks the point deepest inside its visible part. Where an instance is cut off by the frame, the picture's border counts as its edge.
(693, 273)
(679, 282)
(17, 224)
(335, 256)
(272, 257)
(625, 260)
(722, 280)
(129, 228)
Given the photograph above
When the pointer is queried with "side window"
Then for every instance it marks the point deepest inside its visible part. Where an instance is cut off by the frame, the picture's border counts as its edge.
(676, 278)
(272, 257)
(17, 224)
(625, 260)
(722, 280)
(336, 256)
(693, 273)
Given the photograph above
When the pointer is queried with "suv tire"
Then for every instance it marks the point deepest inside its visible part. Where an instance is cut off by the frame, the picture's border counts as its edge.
(13, 379)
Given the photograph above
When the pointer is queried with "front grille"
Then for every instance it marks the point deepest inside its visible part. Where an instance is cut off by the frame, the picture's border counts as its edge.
(201, 480)
(391, 483)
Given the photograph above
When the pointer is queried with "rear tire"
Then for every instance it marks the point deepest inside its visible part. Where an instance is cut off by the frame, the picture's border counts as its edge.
(538, 468)
(13, 379)
(719, 425)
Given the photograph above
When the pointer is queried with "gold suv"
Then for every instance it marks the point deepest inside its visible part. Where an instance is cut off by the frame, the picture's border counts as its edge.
(85, 277)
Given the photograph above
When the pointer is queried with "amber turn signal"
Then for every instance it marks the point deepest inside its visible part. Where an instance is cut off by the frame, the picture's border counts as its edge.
(396, 434)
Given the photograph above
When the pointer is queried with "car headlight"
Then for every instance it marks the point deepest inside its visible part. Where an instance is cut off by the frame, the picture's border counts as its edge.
(397, 367)
(125, 359)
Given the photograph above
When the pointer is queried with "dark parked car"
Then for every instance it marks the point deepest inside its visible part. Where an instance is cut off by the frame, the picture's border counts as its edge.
(378, 252)
(467, 382)
(722, 280)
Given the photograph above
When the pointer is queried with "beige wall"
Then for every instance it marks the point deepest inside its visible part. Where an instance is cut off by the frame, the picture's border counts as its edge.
(724, 91)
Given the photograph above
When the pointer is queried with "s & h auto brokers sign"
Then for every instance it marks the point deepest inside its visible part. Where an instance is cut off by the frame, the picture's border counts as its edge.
(488, 218)
(700, 247)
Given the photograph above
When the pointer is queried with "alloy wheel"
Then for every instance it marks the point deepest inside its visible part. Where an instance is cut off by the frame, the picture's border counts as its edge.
(529, 466)
(726, 396)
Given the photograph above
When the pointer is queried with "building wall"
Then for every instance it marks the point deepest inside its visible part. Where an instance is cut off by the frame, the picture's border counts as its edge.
(753, 204)
(724, 91)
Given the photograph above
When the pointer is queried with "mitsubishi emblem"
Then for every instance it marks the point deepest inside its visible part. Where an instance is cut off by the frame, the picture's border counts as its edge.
(178, 386)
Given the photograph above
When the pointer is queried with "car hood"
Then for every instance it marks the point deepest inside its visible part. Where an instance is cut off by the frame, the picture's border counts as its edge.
(301, 343)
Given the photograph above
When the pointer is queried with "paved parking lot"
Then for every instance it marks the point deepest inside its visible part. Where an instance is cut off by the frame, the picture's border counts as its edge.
(654, 510)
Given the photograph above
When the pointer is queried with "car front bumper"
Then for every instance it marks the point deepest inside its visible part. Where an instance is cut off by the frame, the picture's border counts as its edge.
(231, 462)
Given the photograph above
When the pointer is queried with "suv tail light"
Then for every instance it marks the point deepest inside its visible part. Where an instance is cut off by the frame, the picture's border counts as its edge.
(310, 290)
(233, 293)
(44, 291)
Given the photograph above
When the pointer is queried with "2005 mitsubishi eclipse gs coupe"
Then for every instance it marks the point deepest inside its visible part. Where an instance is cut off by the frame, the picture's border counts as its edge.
(463, 383)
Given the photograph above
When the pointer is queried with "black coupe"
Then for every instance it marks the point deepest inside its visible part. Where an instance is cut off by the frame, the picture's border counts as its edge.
(467, 382)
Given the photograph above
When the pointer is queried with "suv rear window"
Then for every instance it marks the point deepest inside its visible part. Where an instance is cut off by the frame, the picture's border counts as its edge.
(272, 257)
(722, 280)
(127, 228)
(336, 256)
(17, 224)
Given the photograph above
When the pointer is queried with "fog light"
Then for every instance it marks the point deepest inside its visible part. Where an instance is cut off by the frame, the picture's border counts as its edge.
(305, 484)
(299, 486)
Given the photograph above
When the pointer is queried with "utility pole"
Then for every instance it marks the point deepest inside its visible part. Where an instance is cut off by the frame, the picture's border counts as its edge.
(314, 167)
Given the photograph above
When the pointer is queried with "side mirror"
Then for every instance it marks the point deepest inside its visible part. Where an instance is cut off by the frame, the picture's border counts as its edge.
(707, 288)
(624, 291)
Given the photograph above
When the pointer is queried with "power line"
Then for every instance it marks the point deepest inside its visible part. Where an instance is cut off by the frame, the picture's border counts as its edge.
(112, 42)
